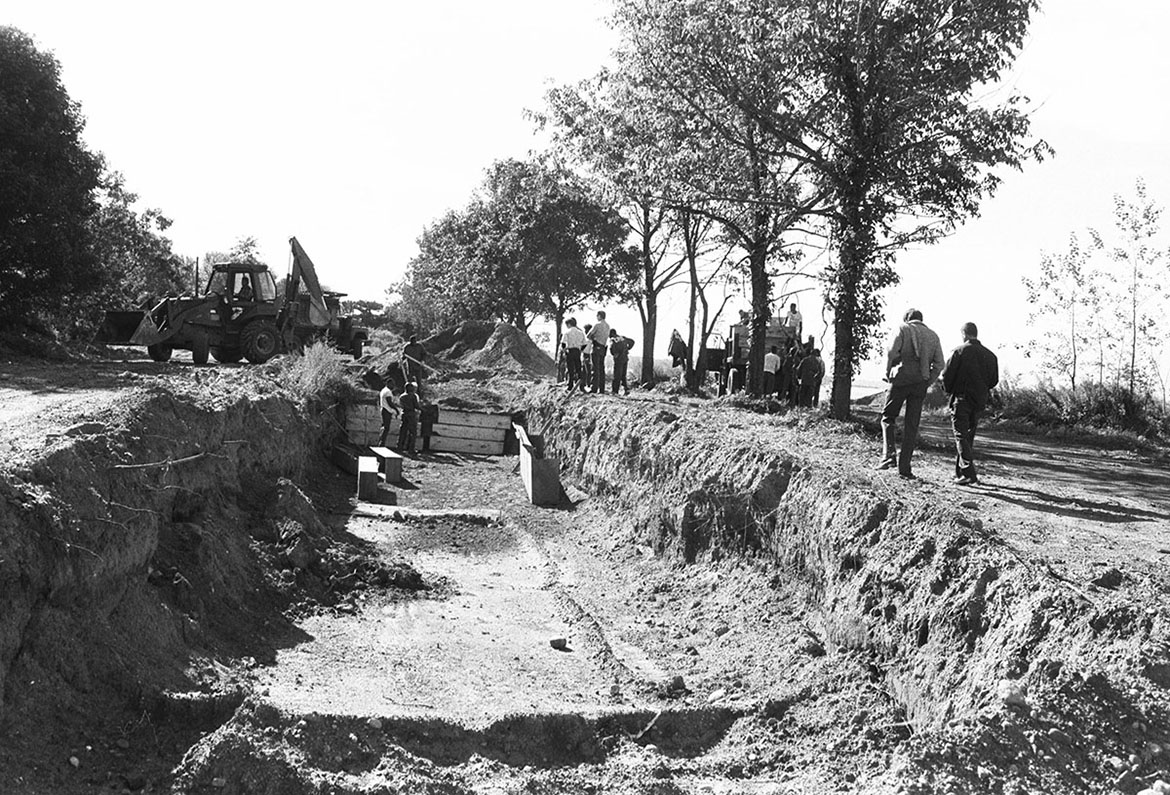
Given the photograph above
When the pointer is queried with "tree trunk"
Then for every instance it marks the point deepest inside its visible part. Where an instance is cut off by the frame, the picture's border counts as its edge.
(849, 263)
(761, 309)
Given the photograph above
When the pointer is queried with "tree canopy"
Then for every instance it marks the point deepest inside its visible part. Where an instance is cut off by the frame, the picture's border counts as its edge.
(47, 184)
(533, 242)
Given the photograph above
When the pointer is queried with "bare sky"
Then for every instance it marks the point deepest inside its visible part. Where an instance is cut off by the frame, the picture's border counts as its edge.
(353, 124)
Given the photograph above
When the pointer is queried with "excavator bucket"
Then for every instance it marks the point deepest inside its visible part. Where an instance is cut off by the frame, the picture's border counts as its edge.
(121, 326)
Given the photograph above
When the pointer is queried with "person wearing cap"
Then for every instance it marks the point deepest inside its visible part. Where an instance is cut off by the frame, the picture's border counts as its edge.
(914, 361)
(970, 375)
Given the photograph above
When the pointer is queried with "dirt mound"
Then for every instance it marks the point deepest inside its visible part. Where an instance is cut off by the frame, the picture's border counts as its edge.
(458, 341)
(511, 350)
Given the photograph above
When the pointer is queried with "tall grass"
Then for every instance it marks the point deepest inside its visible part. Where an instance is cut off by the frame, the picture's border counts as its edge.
(319, 375)
(1091, 407)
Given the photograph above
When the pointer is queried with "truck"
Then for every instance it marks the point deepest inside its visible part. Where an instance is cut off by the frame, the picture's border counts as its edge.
(240, 315)
(737, 349)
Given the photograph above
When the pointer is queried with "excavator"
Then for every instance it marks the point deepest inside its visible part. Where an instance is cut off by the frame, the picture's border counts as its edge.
(240, 315)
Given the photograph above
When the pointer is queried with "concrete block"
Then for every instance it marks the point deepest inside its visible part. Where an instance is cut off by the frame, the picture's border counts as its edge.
(367, 477)
(391, 463)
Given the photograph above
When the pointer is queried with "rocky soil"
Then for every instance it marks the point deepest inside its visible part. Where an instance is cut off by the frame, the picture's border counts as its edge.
(724, 601)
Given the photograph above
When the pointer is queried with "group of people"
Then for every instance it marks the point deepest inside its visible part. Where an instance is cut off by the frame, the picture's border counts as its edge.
(914, 361)
(583, 353)
(407, 404)
(795, 375)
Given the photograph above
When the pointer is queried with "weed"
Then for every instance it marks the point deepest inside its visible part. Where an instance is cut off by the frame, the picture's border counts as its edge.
(317, 375)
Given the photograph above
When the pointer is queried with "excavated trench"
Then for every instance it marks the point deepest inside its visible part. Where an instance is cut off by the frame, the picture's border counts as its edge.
(190, 603)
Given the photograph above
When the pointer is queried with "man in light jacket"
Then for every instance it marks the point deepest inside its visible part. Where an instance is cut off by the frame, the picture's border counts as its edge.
(914, 361)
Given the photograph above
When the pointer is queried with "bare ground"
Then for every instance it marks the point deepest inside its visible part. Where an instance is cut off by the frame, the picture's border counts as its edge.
(746, 608)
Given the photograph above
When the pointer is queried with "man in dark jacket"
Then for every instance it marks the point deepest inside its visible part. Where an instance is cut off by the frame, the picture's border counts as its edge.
(969, 377)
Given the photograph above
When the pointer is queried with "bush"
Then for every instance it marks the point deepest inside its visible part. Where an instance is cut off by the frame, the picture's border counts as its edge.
(318, 375)
(1092, 406)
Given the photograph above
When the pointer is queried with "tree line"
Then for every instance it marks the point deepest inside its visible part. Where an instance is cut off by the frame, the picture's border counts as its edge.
(71, 238)
(763, 130)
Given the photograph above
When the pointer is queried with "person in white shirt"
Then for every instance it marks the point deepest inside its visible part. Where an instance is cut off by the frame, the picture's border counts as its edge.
(771, 367)
(794, 320)
(599, 336)
(389, 411)
(574, 342)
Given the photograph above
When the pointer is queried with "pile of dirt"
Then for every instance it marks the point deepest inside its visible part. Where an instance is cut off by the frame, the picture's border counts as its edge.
(509, 350)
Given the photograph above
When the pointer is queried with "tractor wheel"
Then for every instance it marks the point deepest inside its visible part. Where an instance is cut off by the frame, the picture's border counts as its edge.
(259, 341)
(160, 352)
(200, 347)
(226, 355)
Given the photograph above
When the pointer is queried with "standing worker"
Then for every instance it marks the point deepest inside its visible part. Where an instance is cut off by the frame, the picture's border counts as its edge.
(587, 360)
(970, 375)
(410, 409)
(389, 410)
(599, 336)
(620, 351)
(794, 321)
(917, 355)
(574, 343)
(413, 355)
(812, 370)
(771, 370)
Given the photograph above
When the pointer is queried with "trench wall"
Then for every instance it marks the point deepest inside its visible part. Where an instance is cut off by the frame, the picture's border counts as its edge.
(128, 537)
(944, 607)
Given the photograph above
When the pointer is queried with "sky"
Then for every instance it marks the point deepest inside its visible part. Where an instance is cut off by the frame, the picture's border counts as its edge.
(352, 125)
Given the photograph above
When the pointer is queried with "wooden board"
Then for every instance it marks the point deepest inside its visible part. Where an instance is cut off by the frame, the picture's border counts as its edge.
(445, 444)
(468, 432)
(475, 419)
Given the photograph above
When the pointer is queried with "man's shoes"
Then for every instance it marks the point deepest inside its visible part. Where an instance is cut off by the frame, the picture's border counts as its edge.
(907, 476)
(889, 463)
(966, 481)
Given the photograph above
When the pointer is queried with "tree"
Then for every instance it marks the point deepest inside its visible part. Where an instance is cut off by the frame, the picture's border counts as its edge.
(899, 136)
(1140, 294)
(132, 249)
(1068, 291)
(47, 180)
(694, 78)
(533, 242)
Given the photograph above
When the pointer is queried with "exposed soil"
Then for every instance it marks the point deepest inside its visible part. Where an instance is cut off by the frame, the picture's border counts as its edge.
(191, 602)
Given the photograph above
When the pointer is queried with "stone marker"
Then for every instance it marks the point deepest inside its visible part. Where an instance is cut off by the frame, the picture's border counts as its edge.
(560, 644)
(367, 478)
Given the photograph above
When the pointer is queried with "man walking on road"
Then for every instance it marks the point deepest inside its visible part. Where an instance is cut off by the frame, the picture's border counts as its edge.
(599, 336)
(917, 354)
(970, 375)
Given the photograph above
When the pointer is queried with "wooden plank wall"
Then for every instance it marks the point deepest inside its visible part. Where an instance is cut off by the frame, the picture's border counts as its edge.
(480, 433)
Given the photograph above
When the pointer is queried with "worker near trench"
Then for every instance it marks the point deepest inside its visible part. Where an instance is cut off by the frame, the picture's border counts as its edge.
(574, 344)
(619, 348)
(411, 406)
(970, 375)
(915, 359)
(599, 336)
(413, 355)
(389, 411)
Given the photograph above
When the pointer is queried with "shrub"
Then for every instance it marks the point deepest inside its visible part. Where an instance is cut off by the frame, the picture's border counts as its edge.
(1092, 406)
(318, 375)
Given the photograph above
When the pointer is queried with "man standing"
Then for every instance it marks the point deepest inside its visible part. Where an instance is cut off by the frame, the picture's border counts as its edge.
(917, 355)
(771, 368)
(413, 354)
(587, 359)
(620, 351)
(574, 342)
(812, 370)
(599, 336)
(409, 430)
(389, 410)
(971, 374)
(794, 321)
